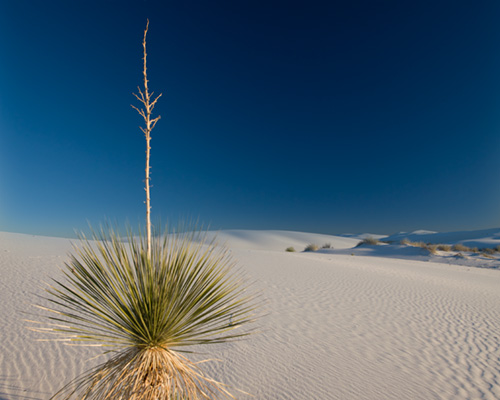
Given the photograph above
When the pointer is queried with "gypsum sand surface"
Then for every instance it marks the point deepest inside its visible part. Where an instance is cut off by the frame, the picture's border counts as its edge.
(336, 326)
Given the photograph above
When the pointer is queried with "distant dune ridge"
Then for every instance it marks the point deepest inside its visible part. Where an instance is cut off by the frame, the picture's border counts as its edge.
(371, 322)
(278, 240)
(478, 238)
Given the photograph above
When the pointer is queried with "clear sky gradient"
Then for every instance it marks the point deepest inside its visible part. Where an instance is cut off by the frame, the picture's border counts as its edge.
(329, 117)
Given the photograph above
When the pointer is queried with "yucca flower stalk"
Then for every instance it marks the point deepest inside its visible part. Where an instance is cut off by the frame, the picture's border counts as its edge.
(146, 312)
(148, 102)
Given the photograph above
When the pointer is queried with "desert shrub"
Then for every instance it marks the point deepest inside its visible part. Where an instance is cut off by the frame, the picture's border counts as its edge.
(311, 247)
(327, 246)
(145, 312)
(290, 249)
(497, 248)
(432, 248)
(444, 247)
(414, 244)
(488, 250)
(405, 242)
(460, 247)
(475, 250)
(487, 255)
(368, 241)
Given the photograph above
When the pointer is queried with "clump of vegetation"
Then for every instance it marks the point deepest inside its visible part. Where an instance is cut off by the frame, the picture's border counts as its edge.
(487, 255)
(444, 247)
(144, 301)
(432, 248)
(290, 249)
(145, 311)
(369, 241)
(497, 248)
(460, 247)
(327, 246)
(474, 250)
(413, 244)
(311, 247)
(488, 250)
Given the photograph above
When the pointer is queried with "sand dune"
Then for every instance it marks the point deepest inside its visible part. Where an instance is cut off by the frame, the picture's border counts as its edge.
(337, 326)
(477, 238)
(279, 240)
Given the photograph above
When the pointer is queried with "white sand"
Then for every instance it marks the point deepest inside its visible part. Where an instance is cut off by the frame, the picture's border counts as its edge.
(479, 238)
(338, 326)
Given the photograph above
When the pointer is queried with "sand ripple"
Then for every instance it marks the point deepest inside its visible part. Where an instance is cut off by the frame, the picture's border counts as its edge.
(337, 327)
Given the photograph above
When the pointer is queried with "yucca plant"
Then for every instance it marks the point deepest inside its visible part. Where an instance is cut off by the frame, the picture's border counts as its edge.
(145, 300)
(146, 312)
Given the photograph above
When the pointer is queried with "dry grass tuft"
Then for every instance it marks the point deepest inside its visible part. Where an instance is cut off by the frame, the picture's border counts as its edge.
(488, 250)
(311, 247)
(444, 247)
(488, 255)
(432, 248)
(290, 249)
(408, 242)
(460, 247)
(369, 241)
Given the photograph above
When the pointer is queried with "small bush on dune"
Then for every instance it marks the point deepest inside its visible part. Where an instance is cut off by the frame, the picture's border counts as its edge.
(290, 249)
(475, 250)
(432, 248)
(368, 241)
(311, 247)
(327, 246)
(414, 244)
(487, 255)
(371, 241)
(444, 247)
(488, 250)
(497, 248)
(460, 247)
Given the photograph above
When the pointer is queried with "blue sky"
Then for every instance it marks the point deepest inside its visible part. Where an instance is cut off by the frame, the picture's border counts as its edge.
(330, 117)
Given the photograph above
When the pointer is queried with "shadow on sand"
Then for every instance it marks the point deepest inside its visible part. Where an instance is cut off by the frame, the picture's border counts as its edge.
(10, 390)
